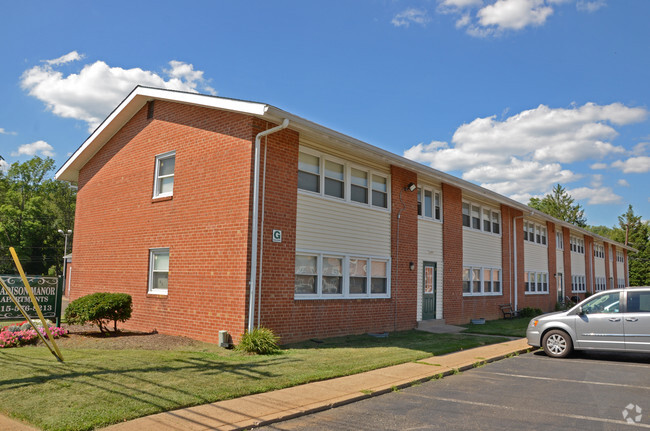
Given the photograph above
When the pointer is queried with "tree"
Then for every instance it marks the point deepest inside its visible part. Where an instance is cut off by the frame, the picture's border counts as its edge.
(634, 232)
(33, 206)
(559, 204)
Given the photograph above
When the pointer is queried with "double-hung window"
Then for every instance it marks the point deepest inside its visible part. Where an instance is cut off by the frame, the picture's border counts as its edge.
(331, 177)
(577, 244)
(534, 233)
(158, 271)
(479, 281)
(429, 204)
(536, 282)
(164, 178)
(559, 240)
(326, 275)
(481, 218)
(578, 284)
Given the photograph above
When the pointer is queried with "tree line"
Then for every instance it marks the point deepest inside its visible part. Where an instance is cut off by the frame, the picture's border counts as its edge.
(33, 207)
(631, 229)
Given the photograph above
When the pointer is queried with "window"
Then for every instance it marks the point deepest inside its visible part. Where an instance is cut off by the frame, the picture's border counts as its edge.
(325, 275)
(611, 254)
(599, 251)
(601, 284)
(158, 270)
(481, 218)
(638, 302)
(578, 284)
(607, 303)
(559, 240)
(536, 282)
(577, 244)
(534, 233)
(330, 177)
(481, 281)
(430, 206)
(620, 257)
(620, 283)
(309, 172)
(164, 183)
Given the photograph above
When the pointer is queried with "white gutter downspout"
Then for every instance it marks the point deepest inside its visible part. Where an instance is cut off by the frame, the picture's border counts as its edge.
(256, 204)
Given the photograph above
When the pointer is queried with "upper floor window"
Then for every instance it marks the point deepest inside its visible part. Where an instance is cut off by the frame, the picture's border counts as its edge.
(611, 254)
(577, 244)
(559, 240)
(328, 176)
(599, 251)
(429, 204)
(481, 218)
(620, 257)
(164, 181)
(535, 233)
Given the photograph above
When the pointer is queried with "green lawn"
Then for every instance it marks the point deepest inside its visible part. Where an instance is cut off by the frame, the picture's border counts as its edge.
(95, 388)
(506, 327)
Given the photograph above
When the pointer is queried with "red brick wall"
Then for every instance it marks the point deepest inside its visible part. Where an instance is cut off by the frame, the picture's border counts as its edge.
(590, 270)
(205, 224)
(615, 266)
(452, 254)
(552, 262)
(507, 255)
(607, 271)
(566, 254)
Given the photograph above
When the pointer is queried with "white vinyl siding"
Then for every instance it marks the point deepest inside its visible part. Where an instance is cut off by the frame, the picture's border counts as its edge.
(337, 227)
(620, 271)
(559, 261)
(480, 249)
(535, 257)
(430, 250)
(577, 263)
(599, 267)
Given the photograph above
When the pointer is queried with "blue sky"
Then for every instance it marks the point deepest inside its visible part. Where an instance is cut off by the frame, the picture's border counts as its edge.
(515, 95)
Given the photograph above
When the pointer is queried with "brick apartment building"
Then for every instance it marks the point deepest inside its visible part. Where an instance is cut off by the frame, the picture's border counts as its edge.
(338, 237)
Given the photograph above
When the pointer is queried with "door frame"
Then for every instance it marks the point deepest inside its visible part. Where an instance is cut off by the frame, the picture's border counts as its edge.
(425, 265)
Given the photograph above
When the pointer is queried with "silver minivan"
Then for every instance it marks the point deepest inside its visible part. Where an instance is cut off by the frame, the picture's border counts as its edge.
(616, 320)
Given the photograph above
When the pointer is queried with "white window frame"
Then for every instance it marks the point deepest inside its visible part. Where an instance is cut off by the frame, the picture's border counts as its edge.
(482, 209)
(481, 270)
(620, 257)
(152, 253)
(620, 283)
(536, 283)
(577, 244)
(345, 290)
(347, 180)
(539, 233)
(157, 177)
(599, 251)
(421, 209)
(578, 284)
(559, 240)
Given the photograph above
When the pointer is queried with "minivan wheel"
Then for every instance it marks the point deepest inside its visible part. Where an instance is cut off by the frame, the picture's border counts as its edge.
(557, 343)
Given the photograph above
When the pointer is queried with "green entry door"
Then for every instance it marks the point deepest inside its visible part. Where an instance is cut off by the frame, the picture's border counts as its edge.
(429, 290)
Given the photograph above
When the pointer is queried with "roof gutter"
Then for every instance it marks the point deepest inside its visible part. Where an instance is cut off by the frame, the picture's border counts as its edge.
(256, 205)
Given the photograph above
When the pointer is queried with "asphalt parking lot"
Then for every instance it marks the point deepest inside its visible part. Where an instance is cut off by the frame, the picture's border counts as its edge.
(587, 391)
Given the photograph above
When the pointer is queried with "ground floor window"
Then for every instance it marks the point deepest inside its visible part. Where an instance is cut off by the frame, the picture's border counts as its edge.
(481, 281)
(601, 284)
(325, 275)
(536, 282)
(620, 283)
(158, 270)
(578, 284)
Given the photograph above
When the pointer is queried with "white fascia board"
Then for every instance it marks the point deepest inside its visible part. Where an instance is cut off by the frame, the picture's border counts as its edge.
(302, 125)
(130, 106)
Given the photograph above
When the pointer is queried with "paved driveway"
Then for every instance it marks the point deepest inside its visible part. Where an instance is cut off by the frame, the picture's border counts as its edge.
(528, 392)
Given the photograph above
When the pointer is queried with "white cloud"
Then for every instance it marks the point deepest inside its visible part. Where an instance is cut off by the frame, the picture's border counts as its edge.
(596, 180)
(623, 183)
(514, 14)
(91, 94)
(4, 166)
(35, 148)
(522, 155)
(459, 4)
(5, 132)
(640, 149)
(411, 15)
(633, 165)
(590, 6)
(596, 196)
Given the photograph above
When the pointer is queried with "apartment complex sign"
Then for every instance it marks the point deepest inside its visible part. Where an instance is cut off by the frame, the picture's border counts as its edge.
(46, 290)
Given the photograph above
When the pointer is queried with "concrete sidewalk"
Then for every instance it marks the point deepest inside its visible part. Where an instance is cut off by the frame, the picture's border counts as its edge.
(270, 407)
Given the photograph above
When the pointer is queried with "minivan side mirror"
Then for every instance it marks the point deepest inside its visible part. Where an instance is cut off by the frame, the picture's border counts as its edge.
(581, 312)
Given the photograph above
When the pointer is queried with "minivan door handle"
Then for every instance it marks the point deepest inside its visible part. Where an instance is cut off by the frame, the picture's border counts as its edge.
(631, 319)
(614, 319)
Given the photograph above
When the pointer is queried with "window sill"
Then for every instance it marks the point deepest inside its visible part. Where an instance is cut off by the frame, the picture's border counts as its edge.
(154, 294)
(161, 199)
(536, 293)
(471, 229)
(480, 295)
(336, 297)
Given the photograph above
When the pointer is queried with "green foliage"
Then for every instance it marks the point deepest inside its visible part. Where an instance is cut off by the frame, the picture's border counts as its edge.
(262, 341)
(560, 204)
(33, 206)
(529, 312)
(100, 308)
(636, 233)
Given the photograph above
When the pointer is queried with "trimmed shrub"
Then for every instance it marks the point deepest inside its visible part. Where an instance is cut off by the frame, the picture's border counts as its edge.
(530, 312)
(100, 309)
(262, 341)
